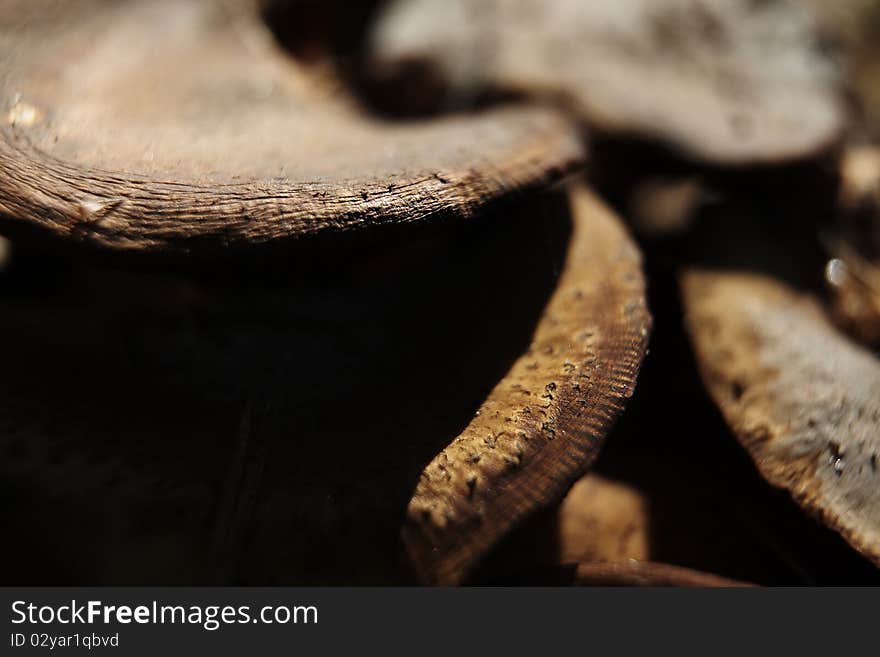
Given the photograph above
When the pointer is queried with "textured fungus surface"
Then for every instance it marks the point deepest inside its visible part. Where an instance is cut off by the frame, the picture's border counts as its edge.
(543, 423)
(802, 398)
(178, 126)
(730, 81)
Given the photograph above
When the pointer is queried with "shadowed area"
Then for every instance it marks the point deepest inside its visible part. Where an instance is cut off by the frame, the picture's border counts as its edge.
(259, 423)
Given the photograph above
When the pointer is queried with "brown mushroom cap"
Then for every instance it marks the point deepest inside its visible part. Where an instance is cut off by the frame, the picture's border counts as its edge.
(543, 423)
(802, 398)
(178, 125)
(726, 81)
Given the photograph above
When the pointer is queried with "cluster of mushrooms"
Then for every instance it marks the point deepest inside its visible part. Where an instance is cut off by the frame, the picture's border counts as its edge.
(440, 291)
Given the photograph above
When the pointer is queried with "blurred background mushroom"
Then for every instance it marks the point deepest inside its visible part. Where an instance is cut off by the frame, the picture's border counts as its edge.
(728, 81)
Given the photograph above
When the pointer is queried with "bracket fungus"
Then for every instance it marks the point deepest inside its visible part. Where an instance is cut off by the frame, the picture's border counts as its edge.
(543, 423)
(260, 332)
(731, 82)
(801, 397)
(180, 126)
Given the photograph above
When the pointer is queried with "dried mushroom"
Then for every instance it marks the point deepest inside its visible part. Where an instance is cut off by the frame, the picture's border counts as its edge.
(180, 126)
(543, 423)
(728, 81)
(801, 397)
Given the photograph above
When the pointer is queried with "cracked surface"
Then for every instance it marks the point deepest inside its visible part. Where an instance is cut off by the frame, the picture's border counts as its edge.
(178, 126)
(542, 425)
(802, 398)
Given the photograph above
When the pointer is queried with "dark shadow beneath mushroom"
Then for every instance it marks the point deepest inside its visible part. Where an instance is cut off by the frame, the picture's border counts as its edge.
(253, 427)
